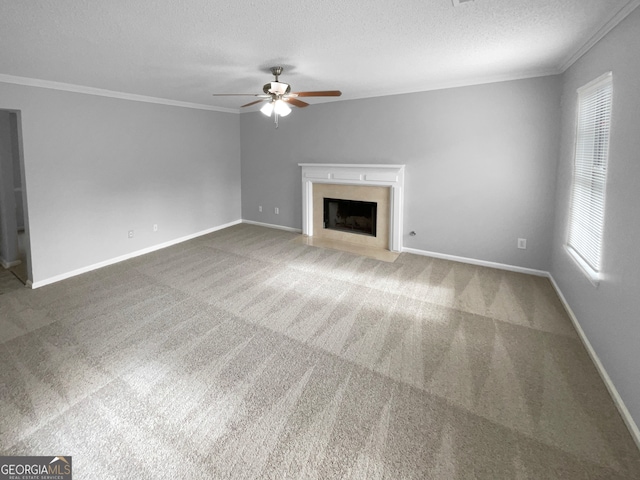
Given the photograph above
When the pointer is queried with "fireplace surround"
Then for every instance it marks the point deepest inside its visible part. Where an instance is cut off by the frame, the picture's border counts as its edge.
(383, 184)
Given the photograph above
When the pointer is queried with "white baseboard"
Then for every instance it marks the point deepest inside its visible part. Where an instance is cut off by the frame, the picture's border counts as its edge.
(613, 391)
(473, 261)
(6, 264)
(624, 412)
(111, 261)
(270, 225)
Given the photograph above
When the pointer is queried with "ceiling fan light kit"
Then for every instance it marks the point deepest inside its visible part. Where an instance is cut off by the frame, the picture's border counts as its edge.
(279, 95)
(267, 109)
(278, 107)
(281, 108)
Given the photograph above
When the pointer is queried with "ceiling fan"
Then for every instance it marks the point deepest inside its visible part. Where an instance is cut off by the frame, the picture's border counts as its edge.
(278, 95)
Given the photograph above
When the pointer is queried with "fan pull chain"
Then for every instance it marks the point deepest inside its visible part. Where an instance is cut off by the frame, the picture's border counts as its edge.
(275, 115)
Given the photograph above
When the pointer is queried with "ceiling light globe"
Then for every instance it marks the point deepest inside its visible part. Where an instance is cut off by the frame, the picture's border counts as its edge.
(267, 109)
(282, 108)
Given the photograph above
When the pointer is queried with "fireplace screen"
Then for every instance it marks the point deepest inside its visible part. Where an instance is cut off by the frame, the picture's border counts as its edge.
(350, 216)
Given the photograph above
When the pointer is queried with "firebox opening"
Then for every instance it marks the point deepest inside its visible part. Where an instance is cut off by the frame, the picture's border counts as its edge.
(351, 216)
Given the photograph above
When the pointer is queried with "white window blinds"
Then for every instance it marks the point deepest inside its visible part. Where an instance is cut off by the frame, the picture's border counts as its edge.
(590, 173)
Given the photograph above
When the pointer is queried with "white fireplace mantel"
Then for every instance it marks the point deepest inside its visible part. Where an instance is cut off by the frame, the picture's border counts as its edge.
(391, 176)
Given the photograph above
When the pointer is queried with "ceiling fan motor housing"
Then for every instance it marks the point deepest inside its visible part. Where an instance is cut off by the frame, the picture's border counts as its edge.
(277, 88)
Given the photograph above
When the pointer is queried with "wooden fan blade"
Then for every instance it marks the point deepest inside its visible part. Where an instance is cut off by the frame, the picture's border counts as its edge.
(296, 102)
(325, 93)
(238, 94)
(253, 103)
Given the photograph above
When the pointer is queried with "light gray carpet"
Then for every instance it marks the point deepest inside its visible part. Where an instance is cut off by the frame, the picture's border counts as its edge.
(241, 354)
(9, 282)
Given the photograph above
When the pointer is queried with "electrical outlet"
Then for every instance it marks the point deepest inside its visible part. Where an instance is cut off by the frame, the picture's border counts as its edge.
(155, 227)
(260, 208)
(277, 210)
(522, 243)
(130, 233)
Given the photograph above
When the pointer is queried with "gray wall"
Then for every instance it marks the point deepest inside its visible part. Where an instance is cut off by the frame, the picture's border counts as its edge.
(609, 314)
(480, 162)
(8, 212)
(96, 167)
(17, 175)
(481, 171)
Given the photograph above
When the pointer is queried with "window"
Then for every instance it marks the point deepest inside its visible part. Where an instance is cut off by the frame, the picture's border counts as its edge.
(586, 223)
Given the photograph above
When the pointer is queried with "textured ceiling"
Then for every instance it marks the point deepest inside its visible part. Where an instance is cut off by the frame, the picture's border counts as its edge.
(184, 50)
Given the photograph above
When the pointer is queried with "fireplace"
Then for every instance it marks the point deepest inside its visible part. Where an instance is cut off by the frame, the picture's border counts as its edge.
(381, 185)
(353, 216)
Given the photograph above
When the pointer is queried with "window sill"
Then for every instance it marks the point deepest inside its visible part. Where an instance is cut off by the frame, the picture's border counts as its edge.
(593, 276)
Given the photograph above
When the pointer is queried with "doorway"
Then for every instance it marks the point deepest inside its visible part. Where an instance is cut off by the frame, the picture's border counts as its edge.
(15, 254)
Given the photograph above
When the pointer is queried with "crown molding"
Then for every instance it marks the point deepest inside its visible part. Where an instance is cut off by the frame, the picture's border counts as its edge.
(466, 82)
(68, 87)
(608, 25)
